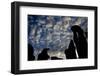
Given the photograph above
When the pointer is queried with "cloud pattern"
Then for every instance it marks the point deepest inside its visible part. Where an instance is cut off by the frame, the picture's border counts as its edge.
(45, 31)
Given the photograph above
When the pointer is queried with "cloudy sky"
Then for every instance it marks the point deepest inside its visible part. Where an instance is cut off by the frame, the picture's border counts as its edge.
(52, 31)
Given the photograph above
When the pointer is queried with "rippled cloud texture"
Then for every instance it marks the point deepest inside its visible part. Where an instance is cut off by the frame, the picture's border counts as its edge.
(53, 32)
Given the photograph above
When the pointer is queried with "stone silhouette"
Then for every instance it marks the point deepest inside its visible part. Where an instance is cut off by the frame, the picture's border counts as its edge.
(80, 41)
(70, 52)
(43, 55)
(56, 58)
(30, 53)
(86, 34)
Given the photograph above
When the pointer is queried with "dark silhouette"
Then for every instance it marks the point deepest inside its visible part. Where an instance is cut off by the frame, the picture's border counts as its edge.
(30, 53)
(86, 34)
(56, 58)
(70, 52)
(80, 41)
(43, 55)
